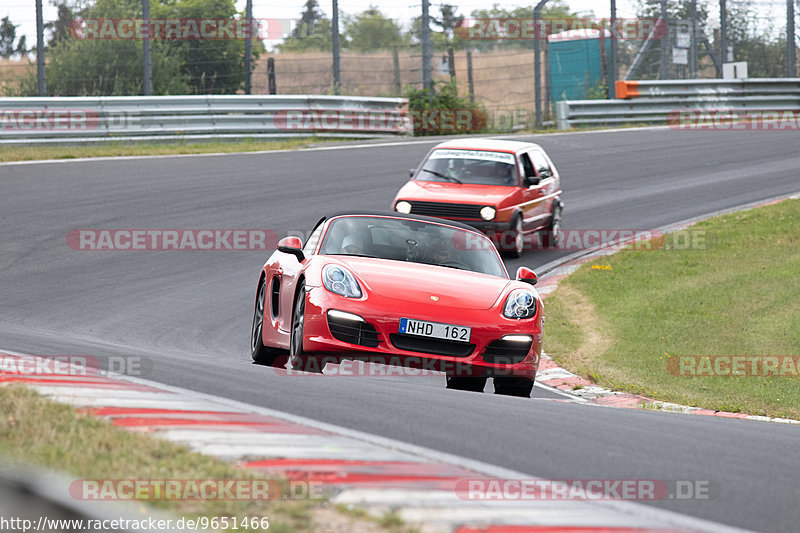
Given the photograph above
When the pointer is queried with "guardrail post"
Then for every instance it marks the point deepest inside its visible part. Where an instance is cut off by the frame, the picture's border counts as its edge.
(272, 87)
(469, 78)
(562, 111)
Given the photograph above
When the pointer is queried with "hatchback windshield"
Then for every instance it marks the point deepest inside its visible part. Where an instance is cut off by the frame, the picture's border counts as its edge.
(414, 241)
(483, 167)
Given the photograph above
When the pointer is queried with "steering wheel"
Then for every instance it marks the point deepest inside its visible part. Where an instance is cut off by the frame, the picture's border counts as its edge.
(353, 249)
(455, 263)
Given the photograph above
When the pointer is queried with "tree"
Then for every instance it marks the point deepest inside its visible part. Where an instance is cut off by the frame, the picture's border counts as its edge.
(448, 22)
(556, 10)
(87, 67)
(8, 34)
(371, 30)
(309, 19)
(210, 66)
(59, 28)
(319, 39)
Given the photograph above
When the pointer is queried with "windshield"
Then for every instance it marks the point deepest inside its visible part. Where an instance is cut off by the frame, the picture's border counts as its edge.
(414, 241)
(482, 167)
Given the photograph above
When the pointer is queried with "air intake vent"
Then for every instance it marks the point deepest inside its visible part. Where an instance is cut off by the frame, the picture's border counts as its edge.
(353, 332)
(431, 346)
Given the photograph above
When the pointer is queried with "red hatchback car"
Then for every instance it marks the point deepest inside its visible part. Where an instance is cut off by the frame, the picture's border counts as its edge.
(390, 289)
(507, 189)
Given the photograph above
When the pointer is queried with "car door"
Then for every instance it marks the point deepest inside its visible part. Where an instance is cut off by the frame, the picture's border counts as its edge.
(543, 187)
(528, 201)
(548, 186)
(531, 205)
(290, 271)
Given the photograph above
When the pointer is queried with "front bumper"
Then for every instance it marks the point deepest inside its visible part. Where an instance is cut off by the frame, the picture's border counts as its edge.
(488, 357)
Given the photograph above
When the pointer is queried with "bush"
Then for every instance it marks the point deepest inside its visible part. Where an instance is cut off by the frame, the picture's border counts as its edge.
(443, 112)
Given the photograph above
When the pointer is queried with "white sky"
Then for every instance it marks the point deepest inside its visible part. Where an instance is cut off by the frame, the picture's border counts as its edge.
(22, 12)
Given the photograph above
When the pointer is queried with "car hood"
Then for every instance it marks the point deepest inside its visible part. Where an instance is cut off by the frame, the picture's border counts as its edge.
(433, 191)
(418, 283)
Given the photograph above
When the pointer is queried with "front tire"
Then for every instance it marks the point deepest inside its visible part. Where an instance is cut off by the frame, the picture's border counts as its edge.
(261, 354)
(298, 359)
(518, 246)
(513, 386)
(470, 384)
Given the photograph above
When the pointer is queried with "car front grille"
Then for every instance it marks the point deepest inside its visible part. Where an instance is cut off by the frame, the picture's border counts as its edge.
(353, 332)
(431, 346)
(445, 210)
(502, 352)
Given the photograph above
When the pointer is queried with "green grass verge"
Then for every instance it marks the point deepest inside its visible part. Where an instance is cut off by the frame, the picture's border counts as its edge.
(38, 431)
(735, 293)
(116, 149)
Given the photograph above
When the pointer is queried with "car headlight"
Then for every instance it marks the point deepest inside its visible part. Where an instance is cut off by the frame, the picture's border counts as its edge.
(403, 207)
(521, 303)
(488, 213)
(340, 281)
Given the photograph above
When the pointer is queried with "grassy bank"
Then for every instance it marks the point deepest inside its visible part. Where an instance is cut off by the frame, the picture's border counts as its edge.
(117, 149)
(40, 432)
(732, 292)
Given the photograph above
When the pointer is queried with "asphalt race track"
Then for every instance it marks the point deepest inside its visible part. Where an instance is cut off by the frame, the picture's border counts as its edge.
(187, 314)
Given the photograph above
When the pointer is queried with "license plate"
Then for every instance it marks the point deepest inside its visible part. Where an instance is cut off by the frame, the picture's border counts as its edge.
(436, 330)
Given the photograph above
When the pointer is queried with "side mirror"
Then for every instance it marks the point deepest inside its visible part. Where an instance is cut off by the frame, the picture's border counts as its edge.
(527, 275)
(411, 172)
(292, 245)
(531, 181)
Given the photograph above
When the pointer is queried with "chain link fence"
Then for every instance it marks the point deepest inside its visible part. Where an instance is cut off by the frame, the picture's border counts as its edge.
(96, 48)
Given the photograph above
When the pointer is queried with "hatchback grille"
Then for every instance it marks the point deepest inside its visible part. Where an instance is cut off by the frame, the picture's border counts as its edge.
(502, 352)
(445, 210)
(353, 332)
(431, 346)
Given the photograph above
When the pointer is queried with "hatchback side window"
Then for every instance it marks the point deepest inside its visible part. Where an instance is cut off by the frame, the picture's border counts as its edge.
(541, 165)
(527, 166)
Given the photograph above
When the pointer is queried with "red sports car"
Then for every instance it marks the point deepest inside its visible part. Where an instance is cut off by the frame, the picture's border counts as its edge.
(509, 190)
(411, 290)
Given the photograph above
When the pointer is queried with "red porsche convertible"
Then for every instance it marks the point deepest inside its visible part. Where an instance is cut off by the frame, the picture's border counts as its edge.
(400, 288)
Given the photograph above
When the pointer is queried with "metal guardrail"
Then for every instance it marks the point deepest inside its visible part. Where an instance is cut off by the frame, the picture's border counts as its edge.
(657, 102)
(124, 118)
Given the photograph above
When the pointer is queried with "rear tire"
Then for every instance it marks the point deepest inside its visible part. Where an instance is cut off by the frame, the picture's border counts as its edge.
(261, 354)
(513, 386)
(551, 237)
(470, 384)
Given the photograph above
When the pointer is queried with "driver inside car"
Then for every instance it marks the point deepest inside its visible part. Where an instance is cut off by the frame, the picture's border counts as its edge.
(353, 244)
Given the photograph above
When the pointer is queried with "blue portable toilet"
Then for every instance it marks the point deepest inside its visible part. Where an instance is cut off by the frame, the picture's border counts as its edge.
(575, 65)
